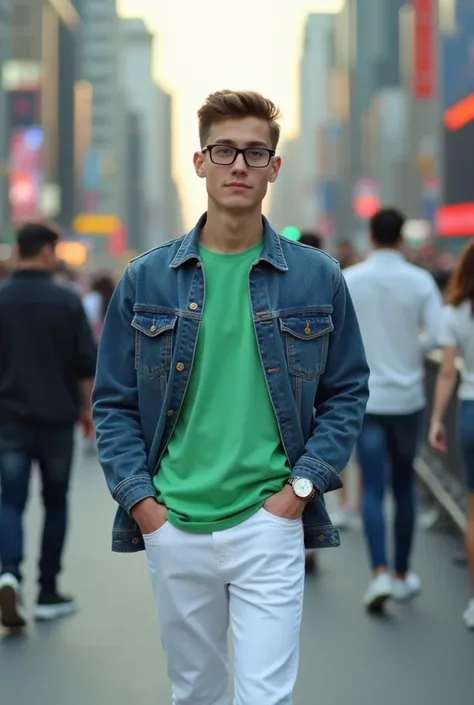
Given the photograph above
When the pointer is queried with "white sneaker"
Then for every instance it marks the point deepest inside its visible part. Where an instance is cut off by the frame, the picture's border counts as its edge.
(12, 615)
(406, 590)
(341, 518)
(468, 615)
(378, 592)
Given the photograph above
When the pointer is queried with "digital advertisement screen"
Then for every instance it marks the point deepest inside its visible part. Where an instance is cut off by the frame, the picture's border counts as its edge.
(26, 172)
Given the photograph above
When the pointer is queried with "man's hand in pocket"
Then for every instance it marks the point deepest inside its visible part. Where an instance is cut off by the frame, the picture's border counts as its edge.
(149, 515)
(285, 504)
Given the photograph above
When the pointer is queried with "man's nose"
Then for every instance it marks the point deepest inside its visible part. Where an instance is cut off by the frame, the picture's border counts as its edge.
(239, 164)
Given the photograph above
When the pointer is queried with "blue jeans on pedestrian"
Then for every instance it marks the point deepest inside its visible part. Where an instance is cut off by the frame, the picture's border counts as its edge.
(52, 449)
(386, 448)
(466, 439)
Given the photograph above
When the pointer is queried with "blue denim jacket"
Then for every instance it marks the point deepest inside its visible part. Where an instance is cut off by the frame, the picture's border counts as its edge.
(312, 357)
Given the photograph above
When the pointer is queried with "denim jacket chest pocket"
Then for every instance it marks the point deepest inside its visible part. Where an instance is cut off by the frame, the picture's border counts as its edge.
(153, 342)
(306, 339)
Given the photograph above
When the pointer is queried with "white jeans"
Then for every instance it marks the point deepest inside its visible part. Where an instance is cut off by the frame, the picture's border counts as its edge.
(251, 576)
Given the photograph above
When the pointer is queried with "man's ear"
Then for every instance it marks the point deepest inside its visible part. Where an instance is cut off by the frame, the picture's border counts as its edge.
(199, 164)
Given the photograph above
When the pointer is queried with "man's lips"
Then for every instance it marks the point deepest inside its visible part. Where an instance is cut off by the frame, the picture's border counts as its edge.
(237, 184)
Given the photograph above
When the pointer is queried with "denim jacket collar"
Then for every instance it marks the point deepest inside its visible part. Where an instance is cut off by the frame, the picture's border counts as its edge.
(272, 251)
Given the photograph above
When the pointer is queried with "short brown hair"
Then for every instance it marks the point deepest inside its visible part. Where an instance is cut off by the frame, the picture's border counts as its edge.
(223, 105)
(461, 284)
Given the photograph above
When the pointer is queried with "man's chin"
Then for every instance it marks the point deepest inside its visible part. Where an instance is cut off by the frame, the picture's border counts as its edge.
(238, 203)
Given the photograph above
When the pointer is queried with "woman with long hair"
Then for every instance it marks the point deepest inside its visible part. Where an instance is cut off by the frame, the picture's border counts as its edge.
(457, 340)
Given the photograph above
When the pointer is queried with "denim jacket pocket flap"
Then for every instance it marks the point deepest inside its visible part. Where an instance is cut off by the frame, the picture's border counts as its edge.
(307, 326)
(152, 324)
(154, 342)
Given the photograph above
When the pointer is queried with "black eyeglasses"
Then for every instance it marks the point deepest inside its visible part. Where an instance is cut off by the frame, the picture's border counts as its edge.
(225, 155)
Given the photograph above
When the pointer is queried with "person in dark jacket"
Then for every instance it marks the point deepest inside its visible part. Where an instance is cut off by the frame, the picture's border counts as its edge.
(47, 363)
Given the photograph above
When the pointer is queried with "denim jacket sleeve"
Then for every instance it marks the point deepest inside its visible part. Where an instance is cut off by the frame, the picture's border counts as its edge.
(121, 447)
(341, 399)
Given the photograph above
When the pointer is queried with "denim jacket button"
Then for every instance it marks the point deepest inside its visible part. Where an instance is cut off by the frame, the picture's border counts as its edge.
(321, 538)
(180, 367)
(135, 540)
(152, 329)
(171, 412)
(193, 306)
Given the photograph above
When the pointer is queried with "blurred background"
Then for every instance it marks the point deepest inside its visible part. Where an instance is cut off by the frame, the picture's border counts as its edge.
(98, 104)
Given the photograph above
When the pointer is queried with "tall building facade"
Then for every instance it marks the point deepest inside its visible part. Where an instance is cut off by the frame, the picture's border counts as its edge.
(285, 201)
(103, 182)
(314, 110)
(368, 105)
(152, 105)
(135, 196)
(40, 81)
(5, 48)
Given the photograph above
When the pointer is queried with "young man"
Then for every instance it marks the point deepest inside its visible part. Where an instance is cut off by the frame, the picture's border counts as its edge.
(399, 308)
(47, 358)
(216, 350)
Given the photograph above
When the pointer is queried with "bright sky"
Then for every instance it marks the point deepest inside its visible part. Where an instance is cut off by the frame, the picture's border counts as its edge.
(206, 45)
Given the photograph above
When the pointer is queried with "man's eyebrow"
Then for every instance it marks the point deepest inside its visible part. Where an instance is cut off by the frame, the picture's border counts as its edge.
(252, 143)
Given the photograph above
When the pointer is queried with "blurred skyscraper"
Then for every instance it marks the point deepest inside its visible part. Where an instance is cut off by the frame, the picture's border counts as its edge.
(314, 112)
(104, 191)
(285, 202)
(296, 197)
(40, 79)
(152, 106)
(369, 123)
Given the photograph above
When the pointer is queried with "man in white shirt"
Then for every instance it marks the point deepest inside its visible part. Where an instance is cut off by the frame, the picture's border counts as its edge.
(399, 307)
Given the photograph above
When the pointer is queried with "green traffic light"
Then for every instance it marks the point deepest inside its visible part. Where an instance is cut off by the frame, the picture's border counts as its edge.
(291, 232)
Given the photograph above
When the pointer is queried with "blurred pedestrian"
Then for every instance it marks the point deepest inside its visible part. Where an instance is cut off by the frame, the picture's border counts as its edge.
(399, 307)
(47, 358)
(346, 512)
(311, 239)
(346, 254)
(457, 339)
(96, 301)
(230, 389)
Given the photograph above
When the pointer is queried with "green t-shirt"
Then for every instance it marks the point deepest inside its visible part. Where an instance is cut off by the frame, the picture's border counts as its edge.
(225, 457)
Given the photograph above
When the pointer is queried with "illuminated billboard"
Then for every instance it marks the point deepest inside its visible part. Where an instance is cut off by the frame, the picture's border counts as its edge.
(26, 173)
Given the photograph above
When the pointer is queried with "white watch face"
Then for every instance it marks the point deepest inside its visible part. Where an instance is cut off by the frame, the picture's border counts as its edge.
(302, 487)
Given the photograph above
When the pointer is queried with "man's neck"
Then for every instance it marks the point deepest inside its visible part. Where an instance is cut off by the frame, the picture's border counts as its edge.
(226, 233)
(31, 266)
(386, 248)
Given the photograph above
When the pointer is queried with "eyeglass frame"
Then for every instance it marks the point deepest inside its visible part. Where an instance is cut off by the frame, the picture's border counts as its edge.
(210, 147)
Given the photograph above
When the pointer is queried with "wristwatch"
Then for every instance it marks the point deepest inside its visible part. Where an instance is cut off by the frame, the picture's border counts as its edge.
(302, 487)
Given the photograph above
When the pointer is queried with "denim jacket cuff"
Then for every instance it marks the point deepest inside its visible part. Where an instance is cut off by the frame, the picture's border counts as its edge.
(322, 475)
(133, 489)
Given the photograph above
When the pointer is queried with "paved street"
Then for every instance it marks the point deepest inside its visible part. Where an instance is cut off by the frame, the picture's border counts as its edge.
(109, 654)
